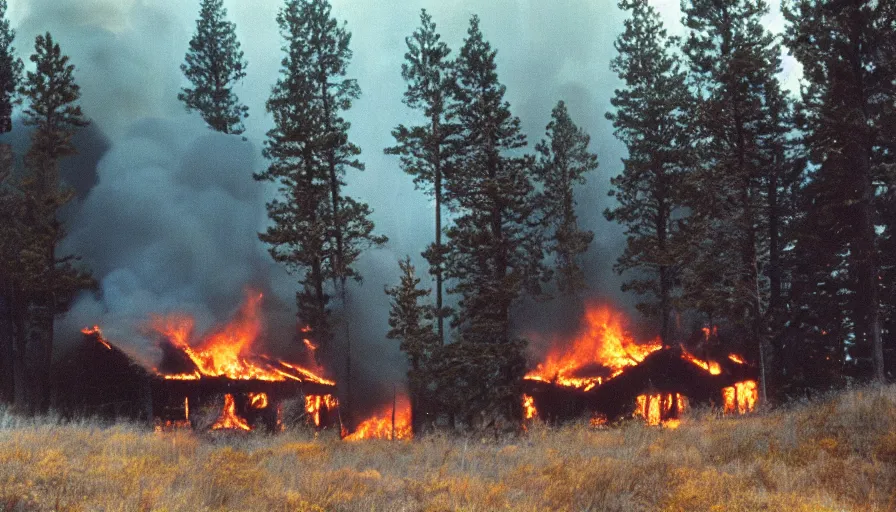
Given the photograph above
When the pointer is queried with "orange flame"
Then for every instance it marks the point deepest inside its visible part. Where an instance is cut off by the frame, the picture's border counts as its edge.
(603, 341)
(226, 352)
(711, 366)
(741, 398)
(313, 404)
(258, 400)
(529, 410)
(379, 426)
(96, 331)
(661, 408)
(229, 419)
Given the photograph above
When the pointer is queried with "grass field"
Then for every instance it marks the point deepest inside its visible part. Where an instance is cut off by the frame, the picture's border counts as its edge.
(832, 455)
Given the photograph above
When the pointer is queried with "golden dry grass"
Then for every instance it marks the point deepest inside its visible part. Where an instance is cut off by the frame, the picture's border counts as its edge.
(833, 455)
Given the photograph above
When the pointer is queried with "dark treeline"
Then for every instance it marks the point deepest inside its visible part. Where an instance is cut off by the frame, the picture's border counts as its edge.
(768, 216)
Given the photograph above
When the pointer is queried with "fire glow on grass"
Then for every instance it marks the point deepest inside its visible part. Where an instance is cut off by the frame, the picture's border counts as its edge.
(379, 426)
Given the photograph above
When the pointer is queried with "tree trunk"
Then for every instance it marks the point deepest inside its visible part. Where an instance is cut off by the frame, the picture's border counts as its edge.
(20, 375)
(438, 191)
(7, 342)
(861, 141)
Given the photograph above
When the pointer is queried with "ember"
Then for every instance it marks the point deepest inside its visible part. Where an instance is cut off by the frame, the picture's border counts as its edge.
(98, 334)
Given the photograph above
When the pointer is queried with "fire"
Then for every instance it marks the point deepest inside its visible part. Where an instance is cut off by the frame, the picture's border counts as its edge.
(229, 419)
(313, 404)
(741, 397)
(603, 342)
(711, 366)
(736, 358)
(598, 420)
(661, 408)
(379, 426)
(529, 410)
(227, 351)
(258, 400)
(96, 331)
(603, 350)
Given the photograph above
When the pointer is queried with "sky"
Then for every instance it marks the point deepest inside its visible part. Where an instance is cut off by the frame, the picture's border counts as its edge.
(168, 216)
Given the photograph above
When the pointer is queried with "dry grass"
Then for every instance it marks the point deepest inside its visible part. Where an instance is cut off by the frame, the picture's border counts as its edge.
(833, 455)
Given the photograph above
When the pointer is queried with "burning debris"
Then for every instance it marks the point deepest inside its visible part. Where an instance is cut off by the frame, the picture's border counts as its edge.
(604, 371)
(196, 373)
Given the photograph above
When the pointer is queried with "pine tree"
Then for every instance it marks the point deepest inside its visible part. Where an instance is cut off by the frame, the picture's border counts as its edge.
(411, 323)
(51, 282)
(328, 58)
(494, 250)
(319, 232)
(10, 71)
(213, 65)
(350, 229)
(427, 150)
(563, 160)
(299, 236)
(847, 50)
(652, 119)
(733, 61)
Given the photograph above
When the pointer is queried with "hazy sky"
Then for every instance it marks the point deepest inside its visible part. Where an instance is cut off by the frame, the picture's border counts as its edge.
(168, 228)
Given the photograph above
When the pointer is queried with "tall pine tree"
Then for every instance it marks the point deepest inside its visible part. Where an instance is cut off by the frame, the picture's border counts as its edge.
(50, 282)
(652, 118)
(350, 229)
(733, 60)
(213, 65)
(318, 231)
(299, 236)
(563, 160)
(494, 250)
(847, 51)
(427, 150)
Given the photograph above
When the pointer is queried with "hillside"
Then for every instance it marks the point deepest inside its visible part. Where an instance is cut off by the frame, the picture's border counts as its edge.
(835, 454)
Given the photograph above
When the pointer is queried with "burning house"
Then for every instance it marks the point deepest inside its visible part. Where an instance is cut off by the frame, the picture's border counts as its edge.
(219, 371)
(603, 372)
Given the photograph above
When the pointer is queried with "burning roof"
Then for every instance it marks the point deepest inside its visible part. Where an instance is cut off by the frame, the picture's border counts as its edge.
(225, 364)
(603, 370)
